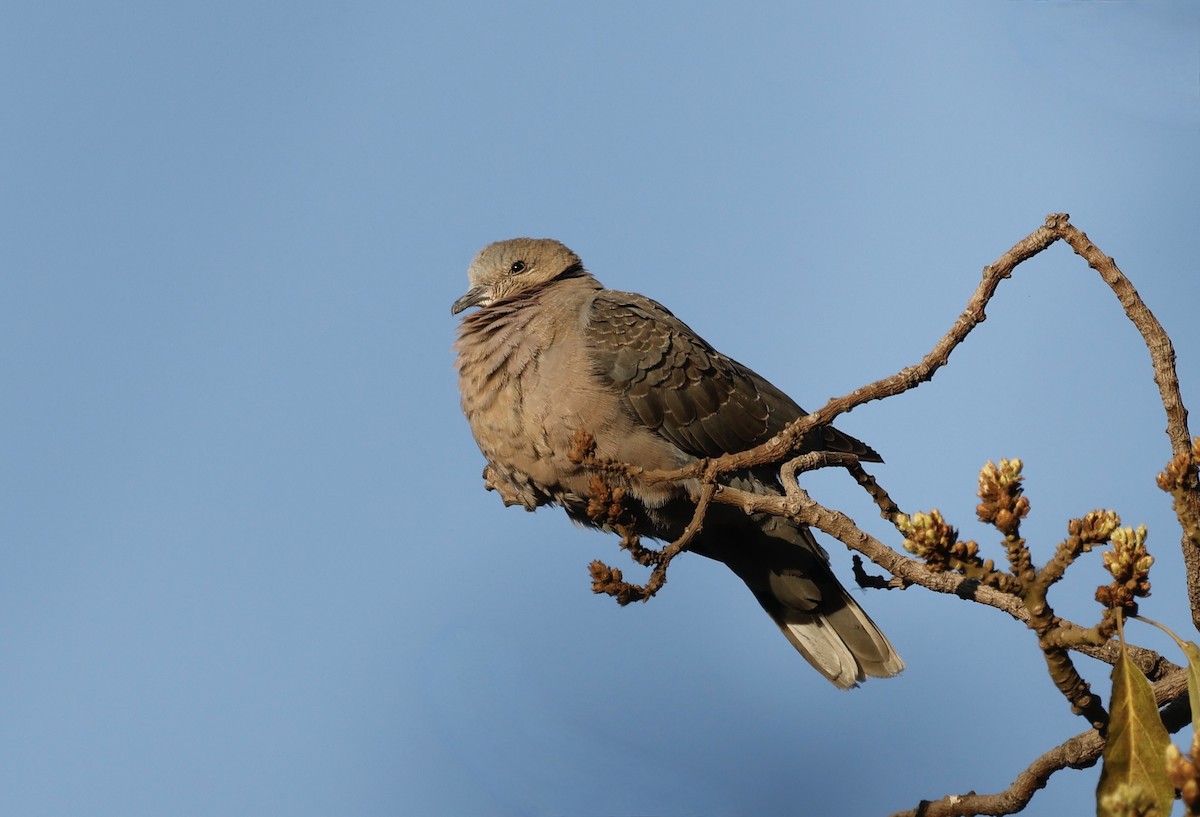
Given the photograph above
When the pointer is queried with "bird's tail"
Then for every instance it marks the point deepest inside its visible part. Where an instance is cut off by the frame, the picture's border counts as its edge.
(789, 574)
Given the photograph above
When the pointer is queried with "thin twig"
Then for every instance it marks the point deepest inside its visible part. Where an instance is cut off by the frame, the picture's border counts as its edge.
(790, 440)
(799, 506)
(707, 491)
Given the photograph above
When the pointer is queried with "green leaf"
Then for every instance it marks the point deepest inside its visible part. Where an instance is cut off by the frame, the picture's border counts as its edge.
(1193, 658)
(1135, 755)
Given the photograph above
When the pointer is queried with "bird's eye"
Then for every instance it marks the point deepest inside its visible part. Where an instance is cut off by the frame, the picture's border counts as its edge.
(518, 266)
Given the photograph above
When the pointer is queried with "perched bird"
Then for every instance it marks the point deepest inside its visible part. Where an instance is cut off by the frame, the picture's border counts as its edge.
(550, 353)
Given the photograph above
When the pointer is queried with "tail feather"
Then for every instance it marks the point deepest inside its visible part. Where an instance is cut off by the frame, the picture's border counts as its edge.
(842, 643)
(789, 574)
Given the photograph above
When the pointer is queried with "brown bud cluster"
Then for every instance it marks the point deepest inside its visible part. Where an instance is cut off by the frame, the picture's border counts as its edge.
(1002, 505)
(605, 502)
(1182, 471)
(583, 447)
(1095, 528)
(931, 538)
(608, 580)
(1129, 564)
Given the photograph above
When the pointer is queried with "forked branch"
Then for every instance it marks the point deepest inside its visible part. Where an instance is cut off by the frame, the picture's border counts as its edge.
(953, 567)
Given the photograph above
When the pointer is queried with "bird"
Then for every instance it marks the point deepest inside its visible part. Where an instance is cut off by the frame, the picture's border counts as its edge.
(549, 353)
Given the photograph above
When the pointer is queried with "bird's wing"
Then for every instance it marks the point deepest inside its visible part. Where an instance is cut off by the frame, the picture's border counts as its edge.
(677, 385)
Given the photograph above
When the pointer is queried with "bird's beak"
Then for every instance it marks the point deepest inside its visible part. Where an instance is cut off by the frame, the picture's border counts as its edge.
(475, 296)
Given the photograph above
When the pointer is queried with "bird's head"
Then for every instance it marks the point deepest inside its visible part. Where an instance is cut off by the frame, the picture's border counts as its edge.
(508, 268)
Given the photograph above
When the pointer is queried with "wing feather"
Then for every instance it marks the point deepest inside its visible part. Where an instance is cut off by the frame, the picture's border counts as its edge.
(679, 386)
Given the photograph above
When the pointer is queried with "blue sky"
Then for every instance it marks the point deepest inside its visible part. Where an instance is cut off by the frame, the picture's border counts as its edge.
(247, 565)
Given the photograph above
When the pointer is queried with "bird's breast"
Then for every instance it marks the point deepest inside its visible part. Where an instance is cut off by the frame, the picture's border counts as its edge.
(529, 390)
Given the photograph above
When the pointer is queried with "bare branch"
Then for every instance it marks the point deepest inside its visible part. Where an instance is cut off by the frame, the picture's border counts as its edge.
(1022, 593)
(1080, 752)
(1162, 351)
(790, 440)
(1162, 358)
(798, 505)
(802, 508)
